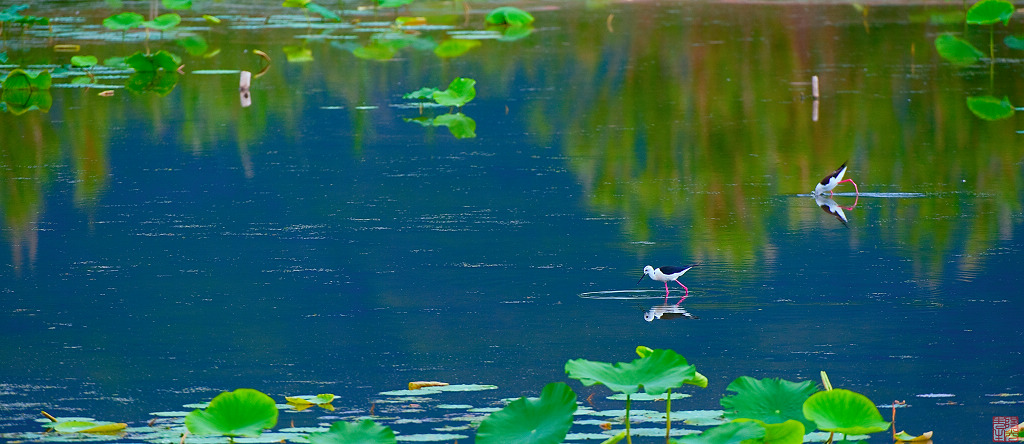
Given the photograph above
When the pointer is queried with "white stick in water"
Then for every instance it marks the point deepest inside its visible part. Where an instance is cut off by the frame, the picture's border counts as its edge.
(244, 81)
(814, 87)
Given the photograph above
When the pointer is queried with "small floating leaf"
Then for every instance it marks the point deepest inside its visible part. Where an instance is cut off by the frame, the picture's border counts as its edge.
(1014, 42)
(163, 22)
(844, 411)
(211, 19)
(731, 433)
(508, 15)
(177, 4)
(123, 21)
(365, 432)
(956, 50)
(987, 12)
(415, 385)
(393, 3)
(323, 398)
(324, 12)
(88, 427)
(295, 3)
(84, 61)
(771, 400)
(529, 421)
(990, 108)
(243, 412)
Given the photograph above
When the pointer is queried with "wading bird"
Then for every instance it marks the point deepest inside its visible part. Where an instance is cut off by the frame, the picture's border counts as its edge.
(832, 180)
(665, 274)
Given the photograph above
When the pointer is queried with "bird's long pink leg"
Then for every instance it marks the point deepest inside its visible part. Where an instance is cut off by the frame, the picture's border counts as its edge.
(684, 294)
(854, 185)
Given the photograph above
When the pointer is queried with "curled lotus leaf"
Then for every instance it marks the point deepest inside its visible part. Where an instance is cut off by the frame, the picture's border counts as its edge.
(365, 432)
(243, 412)
(988, 12)
(528, 421)
(123, 21)
(655, 373)
(509, 15)
(844, 411)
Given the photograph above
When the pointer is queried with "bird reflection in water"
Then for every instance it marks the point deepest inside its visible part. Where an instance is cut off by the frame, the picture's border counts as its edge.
(831, 207)
(666, 312)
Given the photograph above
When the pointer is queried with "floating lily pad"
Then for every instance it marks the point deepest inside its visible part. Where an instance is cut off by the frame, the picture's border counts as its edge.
(88, 427)
(987, 12)
(393, 3)
(844, 411)
(365, 432)
(646, 397)
(771, 400)
(324, 398)
(731, 433)
(654, 374)
(177, 4)
(956, 50)
(124, 21)
(84, 61)
(527, 421)
(508, 15)
(243, 412)
(163, 22)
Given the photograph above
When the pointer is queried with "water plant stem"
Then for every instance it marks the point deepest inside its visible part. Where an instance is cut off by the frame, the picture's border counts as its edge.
(629, 435)
(668, 416)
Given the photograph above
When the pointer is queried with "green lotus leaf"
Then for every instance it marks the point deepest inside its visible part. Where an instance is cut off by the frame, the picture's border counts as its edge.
(771, 400)
(459, 92)
(365, 432)
(13, 15)
(789, 432)
(730, 433)
(990, 108)
(163, 22)
(654, 374)
(88, 427)
(20, 101)
(461, 126)
(323, 398)
(153, 62)
(84, 61)
(844, 411)
(987, 12)
(243, 412)
(698, 380)
(177, 4)
(393, 3)
(531, 421)
(212, 19)
(194, 44)
(508, 15)
(322, 11)
(515, 32)
(455, 47)
(425, 93)
(956, 50)
(161, 83)
(295, 3)
(123, 21)
(1014, 42)
(27, 80)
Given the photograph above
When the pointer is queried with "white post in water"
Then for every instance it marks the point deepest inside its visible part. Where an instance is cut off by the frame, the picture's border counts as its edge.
(244, 82)
(815, 95)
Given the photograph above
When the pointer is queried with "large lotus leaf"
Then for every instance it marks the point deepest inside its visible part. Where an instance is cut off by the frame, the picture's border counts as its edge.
(987, 12)
(990, 108)
(956, 50)
(324, 12)
(27, 80)
(698, 380)
(84, 61)
(123, 21)
(163, 22)
(655, 373)
(365, 432)
(844, 411)
(508, 15)
(20, 101)
(771, 400)
(730, 433)
(460, 125)
(789, 432)
(177, 4)
(194, 44)
(531, 421)
(455, 47)
(140, 62)
(243, 412)
(459, 92)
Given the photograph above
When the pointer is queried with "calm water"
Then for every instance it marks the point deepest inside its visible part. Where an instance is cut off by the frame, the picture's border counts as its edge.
(160, 249)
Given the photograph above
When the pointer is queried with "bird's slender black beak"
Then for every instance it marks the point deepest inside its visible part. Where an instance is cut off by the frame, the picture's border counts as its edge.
(641, 278)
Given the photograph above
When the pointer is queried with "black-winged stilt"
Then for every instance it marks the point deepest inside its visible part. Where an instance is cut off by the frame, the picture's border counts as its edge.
(832, 180)
(831, 207)
(665, 274)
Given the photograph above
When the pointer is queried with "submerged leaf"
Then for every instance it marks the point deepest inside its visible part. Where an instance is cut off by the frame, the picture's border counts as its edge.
(990, 108)
(508, 15)
(956, 50)
(844, 411)
(365, 432)
(730, 433)
(987, 12)
(243, 412)
(655, 373)
(531, 421)
(771, 400)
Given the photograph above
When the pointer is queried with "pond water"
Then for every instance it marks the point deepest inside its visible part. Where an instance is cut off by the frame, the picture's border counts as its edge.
(163, 246)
